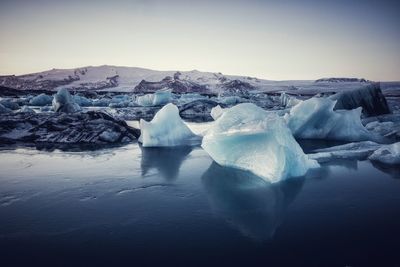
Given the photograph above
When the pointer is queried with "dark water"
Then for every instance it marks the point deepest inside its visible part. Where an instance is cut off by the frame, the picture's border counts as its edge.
(167, 207)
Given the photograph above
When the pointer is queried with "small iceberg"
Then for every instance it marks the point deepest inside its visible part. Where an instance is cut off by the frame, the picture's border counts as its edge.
(64, 102)
(250, 138)
(160, 97)
(388, 154)
(166, 129)
(41, 100)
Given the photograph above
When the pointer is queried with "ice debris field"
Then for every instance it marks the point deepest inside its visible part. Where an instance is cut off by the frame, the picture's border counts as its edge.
(248, 130)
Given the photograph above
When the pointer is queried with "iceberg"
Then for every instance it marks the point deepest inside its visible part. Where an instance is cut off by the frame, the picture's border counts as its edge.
(388, 154)
(166, 129)
(41, 100)
(250, 138)
(63, 102)
(315, 118)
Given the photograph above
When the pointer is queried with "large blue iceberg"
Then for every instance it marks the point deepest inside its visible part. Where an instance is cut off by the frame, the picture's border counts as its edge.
(250, 138)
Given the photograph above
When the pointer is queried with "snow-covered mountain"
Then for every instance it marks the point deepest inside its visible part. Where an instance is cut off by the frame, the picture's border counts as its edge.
(126, 79)
(140, 80)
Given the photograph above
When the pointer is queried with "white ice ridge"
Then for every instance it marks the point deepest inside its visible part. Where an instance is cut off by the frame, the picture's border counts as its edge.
(166, 129)
(315, 119)
(250, 138)
(358, 150)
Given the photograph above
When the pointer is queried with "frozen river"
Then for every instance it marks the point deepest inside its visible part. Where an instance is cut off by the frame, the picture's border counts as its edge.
(134, 206)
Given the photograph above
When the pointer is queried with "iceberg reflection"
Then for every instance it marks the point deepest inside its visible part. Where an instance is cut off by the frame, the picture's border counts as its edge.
(166, 160)
(252, 205)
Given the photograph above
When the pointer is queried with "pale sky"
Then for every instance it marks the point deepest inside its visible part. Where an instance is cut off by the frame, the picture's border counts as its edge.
(276, 40)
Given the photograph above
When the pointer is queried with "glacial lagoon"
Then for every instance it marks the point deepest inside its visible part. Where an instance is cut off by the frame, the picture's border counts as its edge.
(136, 206)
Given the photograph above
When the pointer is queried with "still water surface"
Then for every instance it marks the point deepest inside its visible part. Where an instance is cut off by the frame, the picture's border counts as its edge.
(135, 207)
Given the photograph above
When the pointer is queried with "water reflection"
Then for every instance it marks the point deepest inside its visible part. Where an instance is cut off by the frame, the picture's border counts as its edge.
(166, 161)
(392, 170)
(253, 206)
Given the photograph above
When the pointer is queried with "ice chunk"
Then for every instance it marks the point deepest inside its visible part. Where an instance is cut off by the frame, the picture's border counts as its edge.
(229, 100)
(41, 100)
(26, 109)
(109, 136)
(189, 97)
(369, 97)
(9, 103)
(288, 101)
(359, 150)
(216, 112)
(388, 154)
(160, 97)
(102, 102)
(250, 138)
(82, 101)
(166, 129)
(3, 109)
(145, 100)
(315, 119)
(63, 102)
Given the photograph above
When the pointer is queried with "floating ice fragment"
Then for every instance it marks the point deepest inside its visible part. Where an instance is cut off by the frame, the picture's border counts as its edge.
(41, 100)
(388, 154)
(315, 119)
(63, 102)
(166, 129)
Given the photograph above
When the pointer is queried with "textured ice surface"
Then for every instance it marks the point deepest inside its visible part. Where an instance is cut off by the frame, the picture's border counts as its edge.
(82, 101)
(9, 103)
(145, 100)
(162, 97)
(3, 109)
(185, 98)
(229, 100)
(359, 150)
(288, 101)
(26, 109)
(166, 129)
(216, 112)
(315, 119)
(369, 97)
(250, 138)
(388, 154)
(63, 102)
(41, 100)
